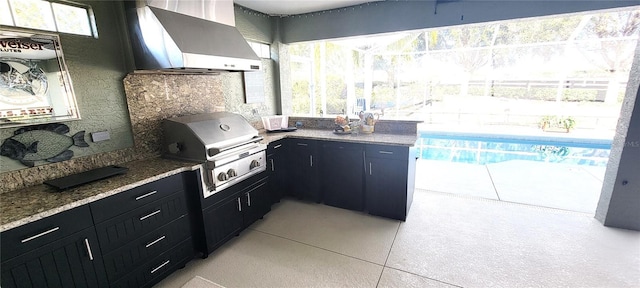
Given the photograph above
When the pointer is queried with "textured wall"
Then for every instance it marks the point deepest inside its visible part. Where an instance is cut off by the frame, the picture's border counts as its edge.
(254, 25)
(96, 67)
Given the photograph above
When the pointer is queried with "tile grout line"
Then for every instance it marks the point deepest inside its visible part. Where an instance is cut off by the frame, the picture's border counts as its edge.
(388, 254)
(592, 175)
(306, 244)
(421, 276)
(492, 183)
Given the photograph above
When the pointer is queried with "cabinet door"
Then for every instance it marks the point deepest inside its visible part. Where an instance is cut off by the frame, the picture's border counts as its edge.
(277, 168)
(222, 222)
(342, 175)
(74, 261)
(386, 187)
(304, 180)
(257, 202)
(158, 268)
(120, 230)
(130, 256)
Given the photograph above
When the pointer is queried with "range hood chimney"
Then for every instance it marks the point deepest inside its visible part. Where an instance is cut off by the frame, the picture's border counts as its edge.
(188, 36)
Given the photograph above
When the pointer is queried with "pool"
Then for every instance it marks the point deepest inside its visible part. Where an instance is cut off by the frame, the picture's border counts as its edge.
(493, 148)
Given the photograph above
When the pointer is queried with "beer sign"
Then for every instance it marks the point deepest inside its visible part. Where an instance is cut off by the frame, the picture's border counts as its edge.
(35, 86)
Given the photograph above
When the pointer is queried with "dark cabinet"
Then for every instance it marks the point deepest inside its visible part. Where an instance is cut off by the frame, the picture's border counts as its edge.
(57, 251)
(256, 202)
(73, 261)
(222, 222)
(138, 251)
(342, 175)
(158, 267)
(134, 227)
(234, 209)
(277, 170)
(304, 175)
(390, 174)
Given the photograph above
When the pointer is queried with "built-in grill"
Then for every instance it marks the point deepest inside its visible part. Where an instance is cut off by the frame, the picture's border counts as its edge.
(225, 143)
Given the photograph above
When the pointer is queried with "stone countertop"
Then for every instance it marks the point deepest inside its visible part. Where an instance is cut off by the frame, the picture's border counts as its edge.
(30, 204)
(328, 135)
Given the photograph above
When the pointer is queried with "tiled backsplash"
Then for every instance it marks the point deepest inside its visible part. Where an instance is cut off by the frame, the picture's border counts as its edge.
(406, 127)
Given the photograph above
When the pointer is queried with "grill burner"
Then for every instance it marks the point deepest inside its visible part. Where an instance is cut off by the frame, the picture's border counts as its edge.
(225, 143)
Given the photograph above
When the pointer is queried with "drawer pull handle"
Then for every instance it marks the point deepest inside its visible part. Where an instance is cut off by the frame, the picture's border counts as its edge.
(248, 199)
(369, 168)
(385, 152)
(154, 242)
(311, 160)
(41, 234)
(86, 244)
(149, 215)
(160, 267)
(302, 144)
(272, 169)
(277, 146)
(239, 205)
(146, 195)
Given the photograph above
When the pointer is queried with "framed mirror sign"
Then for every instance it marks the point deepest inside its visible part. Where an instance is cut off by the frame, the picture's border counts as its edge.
(35, 86)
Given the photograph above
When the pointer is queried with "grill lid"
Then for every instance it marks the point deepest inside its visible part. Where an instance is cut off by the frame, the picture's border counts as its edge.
(199, 136)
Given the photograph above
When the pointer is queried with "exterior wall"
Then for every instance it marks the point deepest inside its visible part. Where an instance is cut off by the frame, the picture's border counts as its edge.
(619, 204)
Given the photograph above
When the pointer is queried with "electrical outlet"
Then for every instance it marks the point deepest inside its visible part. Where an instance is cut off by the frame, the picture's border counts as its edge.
(100, 136)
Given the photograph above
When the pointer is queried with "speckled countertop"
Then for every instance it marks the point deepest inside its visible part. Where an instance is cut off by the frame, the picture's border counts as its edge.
(27, 205)
(23, 206)
(320, 134)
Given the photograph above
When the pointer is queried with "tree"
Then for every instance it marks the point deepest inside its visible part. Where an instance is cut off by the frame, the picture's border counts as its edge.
(468, 43)
(617, 34)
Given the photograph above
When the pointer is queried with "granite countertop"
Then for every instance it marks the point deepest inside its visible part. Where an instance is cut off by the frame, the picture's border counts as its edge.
(30, 204)
(26, 205)
(320, 134)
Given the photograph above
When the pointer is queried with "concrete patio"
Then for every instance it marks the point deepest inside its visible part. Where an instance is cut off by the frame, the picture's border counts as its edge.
(553, 185)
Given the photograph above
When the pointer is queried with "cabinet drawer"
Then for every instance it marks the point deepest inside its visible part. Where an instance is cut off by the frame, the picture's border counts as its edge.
(134, 198)
(387, 151)
(122, 229)
(302, 143)
(122, 261)
(155, 270)
(341, 146)
(275, 146)
(30, 236)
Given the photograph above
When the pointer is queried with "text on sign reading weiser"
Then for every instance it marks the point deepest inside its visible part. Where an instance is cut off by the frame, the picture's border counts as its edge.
(16, 46)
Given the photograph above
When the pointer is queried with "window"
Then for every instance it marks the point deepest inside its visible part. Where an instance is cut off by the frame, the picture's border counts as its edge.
(504, 73)
(261, 49)
(64, 17)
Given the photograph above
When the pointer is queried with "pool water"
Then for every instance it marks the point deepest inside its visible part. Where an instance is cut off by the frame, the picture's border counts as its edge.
(484, 150)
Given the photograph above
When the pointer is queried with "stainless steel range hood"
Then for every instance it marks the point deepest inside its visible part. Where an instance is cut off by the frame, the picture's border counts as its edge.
(188, 36)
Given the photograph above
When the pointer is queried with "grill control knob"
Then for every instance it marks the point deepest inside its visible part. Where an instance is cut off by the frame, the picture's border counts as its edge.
(223, 176)
(232, 173)
(254, 164)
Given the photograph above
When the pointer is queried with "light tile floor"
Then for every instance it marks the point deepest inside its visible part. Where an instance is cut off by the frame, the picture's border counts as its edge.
(448, 240)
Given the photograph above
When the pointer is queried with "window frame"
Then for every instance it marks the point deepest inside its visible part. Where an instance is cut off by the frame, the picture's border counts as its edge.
(88, 9)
